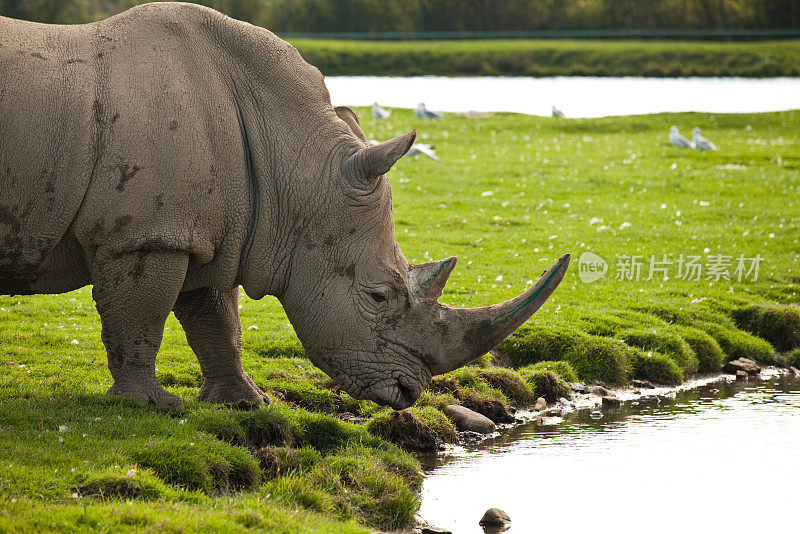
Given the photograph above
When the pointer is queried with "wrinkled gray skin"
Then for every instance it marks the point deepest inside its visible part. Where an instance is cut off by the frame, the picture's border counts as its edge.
(168, 155)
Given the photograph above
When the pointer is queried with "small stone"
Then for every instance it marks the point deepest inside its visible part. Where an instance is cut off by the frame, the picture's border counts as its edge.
(540, 404)
(494, 517)
(644, 384)
(596, 414)
(741, 364)
(577, 387)
(434, 530)
(471, 437)
(63, 429)
(551, 421)
(600, 391)
(466, 419)
(741, 375)
(612, 402)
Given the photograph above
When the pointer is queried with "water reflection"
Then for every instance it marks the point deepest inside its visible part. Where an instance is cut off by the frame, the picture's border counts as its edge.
(578, 96)
(720, 457)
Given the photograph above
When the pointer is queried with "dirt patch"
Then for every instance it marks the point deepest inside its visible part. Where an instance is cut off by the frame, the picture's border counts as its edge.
(408, 432)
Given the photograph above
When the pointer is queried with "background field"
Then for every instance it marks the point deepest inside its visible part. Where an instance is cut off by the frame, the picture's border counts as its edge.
(510, 195)
(552, 58)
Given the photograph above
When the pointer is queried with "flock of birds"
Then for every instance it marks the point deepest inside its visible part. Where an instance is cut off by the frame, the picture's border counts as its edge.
(698, 142)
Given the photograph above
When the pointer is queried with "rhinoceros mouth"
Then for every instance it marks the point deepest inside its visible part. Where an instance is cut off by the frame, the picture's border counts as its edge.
(397, 386)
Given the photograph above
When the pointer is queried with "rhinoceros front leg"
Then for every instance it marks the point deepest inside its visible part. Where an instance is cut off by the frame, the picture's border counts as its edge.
(210, 319)
(134, 293)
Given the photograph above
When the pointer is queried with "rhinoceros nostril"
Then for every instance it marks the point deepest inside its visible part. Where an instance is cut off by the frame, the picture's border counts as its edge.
(406, 395)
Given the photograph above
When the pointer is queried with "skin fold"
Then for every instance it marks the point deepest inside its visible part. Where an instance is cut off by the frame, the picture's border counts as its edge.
(169, 155)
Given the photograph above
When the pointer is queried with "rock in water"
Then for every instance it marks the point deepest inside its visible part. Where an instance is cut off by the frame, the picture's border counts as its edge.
(741, 364)
(466, 419)
(612, 402)
(541, 404)
(491, 408)
(494, 517)
(434, 530)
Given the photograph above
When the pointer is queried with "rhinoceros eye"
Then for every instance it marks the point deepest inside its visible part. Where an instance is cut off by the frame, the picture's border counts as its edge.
(377, 297)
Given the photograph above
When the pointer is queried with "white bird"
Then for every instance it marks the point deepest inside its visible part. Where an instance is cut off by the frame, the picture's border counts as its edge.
(557, 112)
(423, 149)
(701, 143)
(677, 139)
(379, 113)
(424, 113)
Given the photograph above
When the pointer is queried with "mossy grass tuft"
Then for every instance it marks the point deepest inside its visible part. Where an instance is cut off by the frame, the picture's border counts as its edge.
(780, 325)
(562, 369)
(737, 344)
(668, 343)
(657, 368)
(708, 352)
(546, 384)
(511, 384)
(213, 468)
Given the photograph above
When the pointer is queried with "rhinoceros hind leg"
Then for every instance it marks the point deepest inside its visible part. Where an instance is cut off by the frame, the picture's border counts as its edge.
(134, 293)
(210, 319)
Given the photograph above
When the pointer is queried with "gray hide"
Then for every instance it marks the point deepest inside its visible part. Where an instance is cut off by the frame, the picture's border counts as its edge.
(168, 155)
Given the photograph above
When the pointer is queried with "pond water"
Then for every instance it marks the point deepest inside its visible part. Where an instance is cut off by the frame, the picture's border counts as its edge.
(576, 96)
(720, 458)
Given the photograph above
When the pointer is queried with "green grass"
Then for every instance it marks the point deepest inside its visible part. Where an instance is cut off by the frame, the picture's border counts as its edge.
(511, 194)
(552, 58)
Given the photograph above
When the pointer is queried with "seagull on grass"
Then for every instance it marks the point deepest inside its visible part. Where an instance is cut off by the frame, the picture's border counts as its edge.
(701, 143)
(677, 139)
(423, 149)
(379, 113)
(424, 113)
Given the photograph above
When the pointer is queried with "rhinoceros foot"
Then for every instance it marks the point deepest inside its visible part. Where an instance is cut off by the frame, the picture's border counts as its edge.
(149, 393)
(238, 391)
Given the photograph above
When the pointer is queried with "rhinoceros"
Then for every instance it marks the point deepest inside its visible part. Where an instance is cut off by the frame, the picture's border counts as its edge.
(169, 155)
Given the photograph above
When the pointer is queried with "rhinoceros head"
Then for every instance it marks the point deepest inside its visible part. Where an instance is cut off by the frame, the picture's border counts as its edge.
(365, 315)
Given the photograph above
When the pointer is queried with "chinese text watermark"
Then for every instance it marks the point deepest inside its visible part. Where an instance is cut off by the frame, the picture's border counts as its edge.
(663, 267)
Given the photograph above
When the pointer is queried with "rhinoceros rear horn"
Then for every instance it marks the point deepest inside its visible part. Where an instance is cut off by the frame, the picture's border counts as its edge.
(370, 163)
(427, 280)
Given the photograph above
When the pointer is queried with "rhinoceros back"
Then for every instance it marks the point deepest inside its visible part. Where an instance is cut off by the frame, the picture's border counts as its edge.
(46, 140)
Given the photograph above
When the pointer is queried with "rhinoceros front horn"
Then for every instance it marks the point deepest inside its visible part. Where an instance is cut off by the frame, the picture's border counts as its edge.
(370, 163)
(472, 332)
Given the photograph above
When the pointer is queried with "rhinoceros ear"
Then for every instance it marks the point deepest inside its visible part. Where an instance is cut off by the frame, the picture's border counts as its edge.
(370, 163)
(351, 119)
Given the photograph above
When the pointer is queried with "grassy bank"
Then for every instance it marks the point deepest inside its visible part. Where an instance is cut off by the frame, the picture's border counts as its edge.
(510, 195)
(552, 58)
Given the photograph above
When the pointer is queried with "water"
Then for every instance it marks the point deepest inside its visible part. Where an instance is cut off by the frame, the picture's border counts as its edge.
(721, 458)
(575, 96)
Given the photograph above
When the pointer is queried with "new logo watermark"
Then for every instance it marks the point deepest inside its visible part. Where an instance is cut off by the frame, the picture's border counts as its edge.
(591, 267)
(691, 267)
